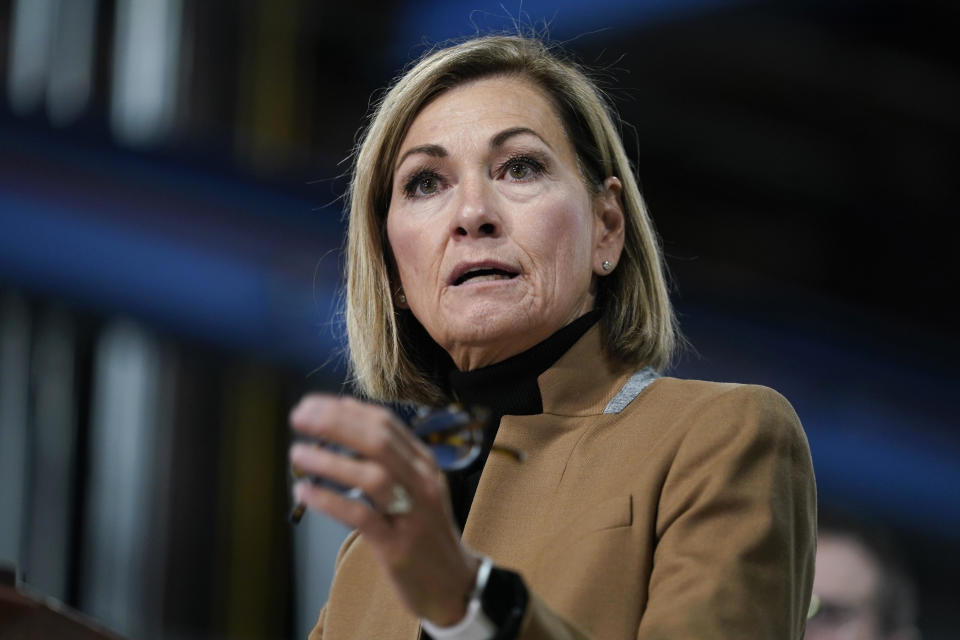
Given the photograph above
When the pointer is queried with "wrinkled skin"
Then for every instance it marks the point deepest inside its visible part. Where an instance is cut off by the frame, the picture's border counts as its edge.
(485, 178)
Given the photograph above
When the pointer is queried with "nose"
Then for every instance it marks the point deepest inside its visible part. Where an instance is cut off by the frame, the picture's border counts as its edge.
(476, 214)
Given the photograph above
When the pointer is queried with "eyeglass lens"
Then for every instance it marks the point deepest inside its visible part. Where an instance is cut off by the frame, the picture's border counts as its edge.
(454, 434)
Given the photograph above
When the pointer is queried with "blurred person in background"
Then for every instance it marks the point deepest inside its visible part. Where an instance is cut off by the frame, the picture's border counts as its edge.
(862, 590)
(500, 255)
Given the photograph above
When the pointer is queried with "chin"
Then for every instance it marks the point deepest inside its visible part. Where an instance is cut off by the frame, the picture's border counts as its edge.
(483, 334)
(483, 322)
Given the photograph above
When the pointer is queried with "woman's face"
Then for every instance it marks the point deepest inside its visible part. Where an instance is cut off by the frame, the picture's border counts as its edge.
(495, 236)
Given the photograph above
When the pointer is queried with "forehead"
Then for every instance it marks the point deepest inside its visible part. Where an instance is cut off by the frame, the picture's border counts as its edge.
(481, 108)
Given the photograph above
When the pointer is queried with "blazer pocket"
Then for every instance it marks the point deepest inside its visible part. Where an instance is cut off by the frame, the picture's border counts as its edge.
(607, 514)
(588, 570)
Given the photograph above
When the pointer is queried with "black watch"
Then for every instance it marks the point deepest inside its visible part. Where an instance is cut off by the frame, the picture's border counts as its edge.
(503, 600)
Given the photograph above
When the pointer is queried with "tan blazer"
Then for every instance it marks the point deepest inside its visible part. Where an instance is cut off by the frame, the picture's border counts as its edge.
(691, 513)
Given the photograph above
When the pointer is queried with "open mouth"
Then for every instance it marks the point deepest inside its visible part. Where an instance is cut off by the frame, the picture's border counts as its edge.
(484, 274)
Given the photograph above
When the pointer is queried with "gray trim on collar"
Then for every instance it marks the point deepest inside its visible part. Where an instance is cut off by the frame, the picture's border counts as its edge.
(631, 389)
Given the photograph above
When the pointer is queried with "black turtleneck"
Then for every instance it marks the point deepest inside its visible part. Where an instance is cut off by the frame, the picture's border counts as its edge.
(506, 388)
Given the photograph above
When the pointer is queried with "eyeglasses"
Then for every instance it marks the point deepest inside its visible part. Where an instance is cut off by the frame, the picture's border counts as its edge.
(454, 434)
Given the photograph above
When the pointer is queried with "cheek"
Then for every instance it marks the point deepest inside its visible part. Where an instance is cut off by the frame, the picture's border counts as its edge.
(417, 254)
(568, 239)
(403, 240)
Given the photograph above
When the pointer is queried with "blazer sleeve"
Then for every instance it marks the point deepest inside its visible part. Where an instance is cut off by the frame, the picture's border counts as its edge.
(736, 528)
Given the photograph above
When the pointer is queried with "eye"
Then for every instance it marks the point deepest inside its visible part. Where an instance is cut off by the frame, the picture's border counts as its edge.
(521, 168)
(422, 184)
(519, 171)
(427, 185)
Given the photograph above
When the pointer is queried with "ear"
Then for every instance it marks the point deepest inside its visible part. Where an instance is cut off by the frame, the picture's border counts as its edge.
(397, 295)
(400, 299)
(609, 225)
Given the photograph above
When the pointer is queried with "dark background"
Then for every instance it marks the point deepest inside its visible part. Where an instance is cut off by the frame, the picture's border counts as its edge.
(799, 160)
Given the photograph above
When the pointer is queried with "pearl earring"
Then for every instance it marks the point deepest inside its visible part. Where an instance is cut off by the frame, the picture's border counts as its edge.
(401, 297)
(606, 266)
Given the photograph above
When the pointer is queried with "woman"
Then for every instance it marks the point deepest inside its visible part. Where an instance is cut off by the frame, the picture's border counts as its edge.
(500, 254)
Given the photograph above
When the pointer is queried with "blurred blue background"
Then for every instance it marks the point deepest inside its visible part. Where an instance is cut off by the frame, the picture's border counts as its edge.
(170, 245)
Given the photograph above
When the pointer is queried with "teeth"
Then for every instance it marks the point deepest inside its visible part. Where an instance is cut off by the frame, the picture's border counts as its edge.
(492, 276)
(483, 273)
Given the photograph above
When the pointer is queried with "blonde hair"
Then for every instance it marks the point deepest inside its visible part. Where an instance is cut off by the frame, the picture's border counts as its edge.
(391, 355)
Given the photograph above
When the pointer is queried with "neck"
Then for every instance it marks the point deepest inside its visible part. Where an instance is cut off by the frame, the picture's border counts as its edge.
(472, 357)
(510, 386)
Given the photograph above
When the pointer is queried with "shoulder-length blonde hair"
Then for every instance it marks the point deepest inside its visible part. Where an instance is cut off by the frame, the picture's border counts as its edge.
(391, 356)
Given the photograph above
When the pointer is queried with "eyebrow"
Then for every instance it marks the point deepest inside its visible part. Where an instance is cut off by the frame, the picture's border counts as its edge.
(433, 150)
(498, 140)
(436, 151)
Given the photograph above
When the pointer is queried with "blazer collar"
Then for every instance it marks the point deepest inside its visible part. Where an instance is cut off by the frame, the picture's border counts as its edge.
(584, 380)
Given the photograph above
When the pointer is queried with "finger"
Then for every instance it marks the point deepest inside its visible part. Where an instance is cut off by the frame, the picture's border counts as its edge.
(368, 476)
(353, 513)
(407, 443)
(423, 453)
(370, 430)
